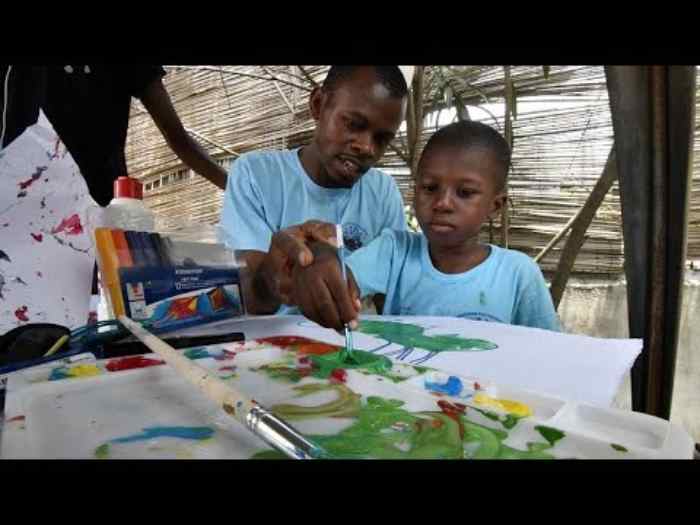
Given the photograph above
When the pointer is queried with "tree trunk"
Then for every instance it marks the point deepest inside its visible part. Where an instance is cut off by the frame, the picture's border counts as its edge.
(414, 118)
(580, 226)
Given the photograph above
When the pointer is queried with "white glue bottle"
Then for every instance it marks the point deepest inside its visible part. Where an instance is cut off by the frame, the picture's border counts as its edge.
(126, 211)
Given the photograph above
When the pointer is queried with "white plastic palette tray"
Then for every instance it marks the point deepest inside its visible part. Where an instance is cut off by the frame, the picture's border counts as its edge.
(151, 413)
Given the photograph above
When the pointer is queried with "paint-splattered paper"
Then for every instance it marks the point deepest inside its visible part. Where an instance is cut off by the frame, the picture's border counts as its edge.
(372, 408)
(46, 220)
(575, 367)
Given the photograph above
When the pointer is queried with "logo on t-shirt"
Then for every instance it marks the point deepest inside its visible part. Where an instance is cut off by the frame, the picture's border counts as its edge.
(354, 236)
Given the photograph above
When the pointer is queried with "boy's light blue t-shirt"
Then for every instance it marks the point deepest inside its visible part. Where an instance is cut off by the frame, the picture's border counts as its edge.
(507, 287)
(268, 191)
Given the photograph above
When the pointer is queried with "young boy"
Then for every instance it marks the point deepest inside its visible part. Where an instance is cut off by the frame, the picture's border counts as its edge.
(446, 271)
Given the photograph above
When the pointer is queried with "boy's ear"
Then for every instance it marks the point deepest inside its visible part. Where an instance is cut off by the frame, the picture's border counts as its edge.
(499, 201)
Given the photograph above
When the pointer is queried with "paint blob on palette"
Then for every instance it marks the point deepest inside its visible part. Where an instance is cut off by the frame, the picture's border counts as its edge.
(87, 367)
(370, 408)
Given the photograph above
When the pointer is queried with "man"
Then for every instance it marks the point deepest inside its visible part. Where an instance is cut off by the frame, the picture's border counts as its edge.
(270, 196)
(88, 106)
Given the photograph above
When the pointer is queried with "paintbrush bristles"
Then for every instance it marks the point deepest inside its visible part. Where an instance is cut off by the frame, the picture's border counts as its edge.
(232, 401)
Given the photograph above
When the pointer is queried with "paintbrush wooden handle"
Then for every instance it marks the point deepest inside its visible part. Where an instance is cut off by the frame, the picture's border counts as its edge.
(232, 401)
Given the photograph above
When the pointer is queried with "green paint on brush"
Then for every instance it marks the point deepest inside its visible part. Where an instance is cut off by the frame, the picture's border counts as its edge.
(102, 452)
(619, 448)
(411, 336)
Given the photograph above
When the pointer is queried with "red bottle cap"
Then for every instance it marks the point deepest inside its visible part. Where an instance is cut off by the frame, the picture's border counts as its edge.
(126, 187)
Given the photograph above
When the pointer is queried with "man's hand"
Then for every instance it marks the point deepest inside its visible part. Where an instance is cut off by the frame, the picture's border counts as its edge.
(321, 293)
(289, 248)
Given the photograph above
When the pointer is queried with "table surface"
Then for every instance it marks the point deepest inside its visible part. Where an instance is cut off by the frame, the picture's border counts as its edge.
(3, 382)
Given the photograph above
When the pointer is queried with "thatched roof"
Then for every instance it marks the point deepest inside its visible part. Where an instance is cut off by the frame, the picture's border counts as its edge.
(559, 151)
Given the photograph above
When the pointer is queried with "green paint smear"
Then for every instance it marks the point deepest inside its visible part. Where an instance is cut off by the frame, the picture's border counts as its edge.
(552, 435)
(508, 421)
(410, 335)
(384, 430)
(281, 370)
(619, 448)
(102, 452)
(323, 365)
(346, 405)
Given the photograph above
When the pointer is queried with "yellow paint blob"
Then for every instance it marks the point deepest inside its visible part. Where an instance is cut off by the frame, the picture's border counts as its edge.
(506, 405)
(84, 371)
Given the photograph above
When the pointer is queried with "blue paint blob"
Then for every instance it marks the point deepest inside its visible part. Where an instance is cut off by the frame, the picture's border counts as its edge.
(58, 373)
(197, 353)
(195, 433)
(452, 388)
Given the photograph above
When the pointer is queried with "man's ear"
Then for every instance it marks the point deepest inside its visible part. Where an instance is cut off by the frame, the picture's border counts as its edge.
(316, 102)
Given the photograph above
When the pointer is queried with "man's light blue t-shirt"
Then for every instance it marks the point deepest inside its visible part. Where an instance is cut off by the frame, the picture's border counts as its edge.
(269, 190)
(507, 287)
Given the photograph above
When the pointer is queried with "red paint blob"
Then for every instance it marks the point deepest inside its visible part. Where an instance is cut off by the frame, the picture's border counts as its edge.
(477, 386)
(70, 225)
(37, 237)
(24, 185)
(127, 363)
(21, 314)
(453, 411)
(16, 418)
(339, 375)
(284, 340)
(304, 345)
(227, 368)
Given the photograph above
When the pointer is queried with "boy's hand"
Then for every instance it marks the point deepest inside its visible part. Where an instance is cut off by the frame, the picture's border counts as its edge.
(321, 293)
(289, 248)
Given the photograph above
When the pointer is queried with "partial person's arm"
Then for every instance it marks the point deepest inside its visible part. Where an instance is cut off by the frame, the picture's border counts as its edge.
(324, 297)
(269, 284)
(157, 101)
(321, 293)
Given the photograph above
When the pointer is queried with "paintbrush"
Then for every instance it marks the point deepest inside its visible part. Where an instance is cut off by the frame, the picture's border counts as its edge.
(261, 422)
(346, 353)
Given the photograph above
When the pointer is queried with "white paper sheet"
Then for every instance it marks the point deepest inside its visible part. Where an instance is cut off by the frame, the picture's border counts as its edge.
(46, 220)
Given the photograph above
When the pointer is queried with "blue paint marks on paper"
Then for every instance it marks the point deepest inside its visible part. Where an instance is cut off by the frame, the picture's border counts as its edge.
(451, 386)
(193, 433)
